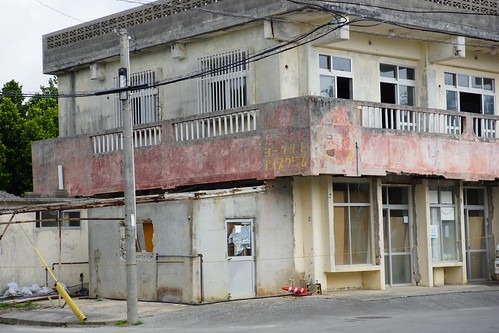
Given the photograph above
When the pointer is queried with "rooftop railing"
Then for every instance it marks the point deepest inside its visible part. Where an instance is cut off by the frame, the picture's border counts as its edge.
(130, 18)
(489, 7)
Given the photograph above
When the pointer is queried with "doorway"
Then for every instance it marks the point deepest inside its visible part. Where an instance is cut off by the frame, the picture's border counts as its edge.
(240, 258)
(476, 234)
(397, 235)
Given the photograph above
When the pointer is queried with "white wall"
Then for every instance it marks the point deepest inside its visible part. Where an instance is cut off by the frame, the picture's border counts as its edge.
(19, 262)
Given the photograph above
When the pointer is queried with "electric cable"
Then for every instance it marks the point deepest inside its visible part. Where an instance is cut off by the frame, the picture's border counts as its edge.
(340, 19)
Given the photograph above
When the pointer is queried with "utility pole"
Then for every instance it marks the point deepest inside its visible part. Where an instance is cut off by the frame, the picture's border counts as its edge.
(129, 180)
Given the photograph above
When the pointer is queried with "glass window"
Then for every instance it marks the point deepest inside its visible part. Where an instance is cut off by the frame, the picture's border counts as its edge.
(51, 219)
(406, 95)
(472, 94)
(335, 77)
(342, 64)
(398, 85)
(388, 70)
(488, 84)
(476, 82)
(488, 104)
(450, 79)
(407, 73)
(443, 230)
(463, 80)
(324, 62)
(352, 227)
(395, 195)
(239, 239)
(474, 196)
(451, 100)
(327, 86)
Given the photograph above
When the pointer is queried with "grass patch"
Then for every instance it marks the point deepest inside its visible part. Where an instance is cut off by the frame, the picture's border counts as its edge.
(22, 306)
(121, 323)
(124, 323)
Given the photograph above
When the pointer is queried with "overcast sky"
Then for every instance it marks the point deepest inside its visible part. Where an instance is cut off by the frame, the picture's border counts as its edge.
(22, 24)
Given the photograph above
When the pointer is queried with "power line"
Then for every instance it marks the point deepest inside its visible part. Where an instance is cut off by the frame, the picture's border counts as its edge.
(339, 20)
(58, 11)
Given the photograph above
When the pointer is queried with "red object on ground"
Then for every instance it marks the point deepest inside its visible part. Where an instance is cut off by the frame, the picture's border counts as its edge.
(296, 291)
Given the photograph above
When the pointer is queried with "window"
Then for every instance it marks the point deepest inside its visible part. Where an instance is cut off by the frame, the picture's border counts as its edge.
(443, 231)
(472, 94)
(335, 76)
(144, 103)
(352, 226)
(398, 84)
(469, 93)
(223, 82)
(239, 238)
(51, 219)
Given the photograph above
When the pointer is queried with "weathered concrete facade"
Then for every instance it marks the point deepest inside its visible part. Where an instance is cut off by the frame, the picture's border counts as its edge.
(302, 136)
(379, 144)
(184, 229)
(65, 251)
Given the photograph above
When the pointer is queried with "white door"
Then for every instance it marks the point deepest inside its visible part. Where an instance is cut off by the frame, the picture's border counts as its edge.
(240, 259)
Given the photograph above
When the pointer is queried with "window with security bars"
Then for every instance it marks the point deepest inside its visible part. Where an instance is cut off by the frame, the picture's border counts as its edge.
(51, 219)
(222, 84)
(144, 102)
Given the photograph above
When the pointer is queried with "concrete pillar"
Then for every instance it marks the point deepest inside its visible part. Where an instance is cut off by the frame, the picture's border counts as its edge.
(312, 235)
(423, 263)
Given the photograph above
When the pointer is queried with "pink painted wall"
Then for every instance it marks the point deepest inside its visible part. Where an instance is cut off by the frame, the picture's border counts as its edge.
(301, 136)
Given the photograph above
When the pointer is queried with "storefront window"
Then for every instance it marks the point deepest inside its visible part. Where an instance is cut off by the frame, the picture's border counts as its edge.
(352, 227)
(443, 224)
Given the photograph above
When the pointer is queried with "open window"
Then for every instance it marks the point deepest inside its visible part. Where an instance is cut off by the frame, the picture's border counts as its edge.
(335, 76)
(472, 94)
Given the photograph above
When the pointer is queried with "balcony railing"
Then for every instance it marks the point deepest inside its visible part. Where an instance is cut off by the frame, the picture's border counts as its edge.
(217, 125)
(427, 121)
(142, 137)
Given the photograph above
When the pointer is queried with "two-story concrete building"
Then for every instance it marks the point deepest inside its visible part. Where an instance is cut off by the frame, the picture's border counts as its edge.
(354, 145)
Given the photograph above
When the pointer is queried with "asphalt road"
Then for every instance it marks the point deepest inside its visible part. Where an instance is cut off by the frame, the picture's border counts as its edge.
(476, 312)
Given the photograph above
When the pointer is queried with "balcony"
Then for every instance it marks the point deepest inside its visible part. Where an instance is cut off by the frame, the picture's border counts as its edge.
(300, 136)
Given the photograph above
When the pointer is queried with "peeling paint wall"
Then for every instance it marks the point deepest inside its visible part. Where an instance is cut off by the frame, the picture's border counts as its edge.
(189, 228)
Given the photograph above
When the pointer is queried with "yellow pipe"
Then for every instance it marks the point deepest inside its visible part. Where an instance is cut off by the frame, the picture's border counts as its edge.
(69, 301)
(62, 292)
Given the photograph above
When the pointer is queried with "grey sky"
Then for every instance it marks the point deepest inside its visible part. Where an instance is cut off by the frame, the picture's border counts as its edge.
(22, 24)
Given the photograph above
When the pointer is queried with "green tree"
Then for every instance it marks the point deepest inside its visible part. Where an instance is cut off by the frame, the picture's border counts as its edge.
(21, 123)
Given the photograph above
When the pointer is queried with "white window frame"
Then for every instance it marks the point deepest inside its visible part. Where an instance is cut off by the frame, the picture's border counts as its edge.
(62, 216)
(397, 81)
(144, 102)
(457, 88)
(223, 83)
(334, 74)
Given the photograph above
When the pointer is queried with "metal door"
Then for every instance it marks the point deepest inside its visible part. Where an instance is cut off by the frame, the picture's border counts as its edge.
(240, 258)
(476, 234)
(397, 235)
